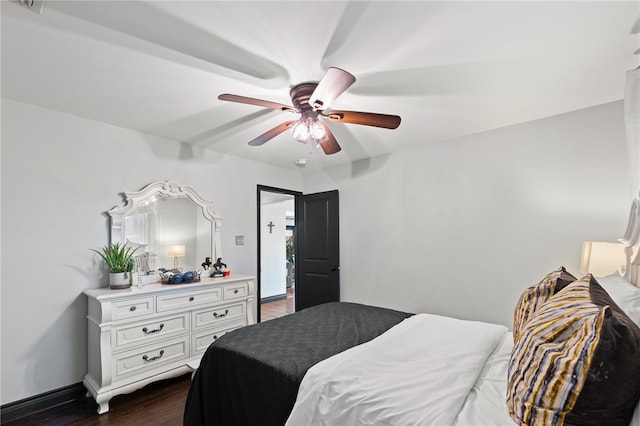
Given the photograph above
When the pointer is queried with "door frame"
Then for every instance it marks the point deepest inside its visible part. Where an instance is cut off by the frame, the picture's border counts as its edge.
(296, 200)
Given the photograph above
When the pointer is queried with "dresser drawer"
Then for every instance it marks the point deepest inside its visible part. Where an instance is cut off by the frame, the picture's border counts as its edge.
(132, 308)
(210, 317)
(151, 357)
(202, 340)
(235, 291)
(148, 331)
(172, 301)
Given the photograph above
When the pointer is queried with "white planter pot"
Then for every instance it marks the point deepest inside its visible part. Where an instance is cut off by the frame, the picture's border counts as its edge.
(119, 280)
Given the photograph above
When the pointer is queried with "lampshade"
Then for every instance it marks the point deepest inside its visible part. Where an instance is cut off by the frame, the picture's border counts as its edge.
(602, 259)
(176, 250)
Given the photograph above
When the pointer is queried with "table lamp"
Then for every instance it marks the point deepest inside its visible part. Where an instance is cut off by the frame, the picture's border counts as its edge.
(176, 251)
(600, 259)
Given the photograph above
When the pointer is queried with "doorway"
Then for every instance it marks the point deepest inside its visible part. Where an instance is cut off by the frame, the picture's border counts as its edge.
(276, 248)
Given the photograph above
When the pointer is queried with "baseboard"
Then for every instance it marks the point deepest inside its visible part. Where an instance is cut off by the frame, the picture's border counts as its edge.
(275, 298)
(44, 401)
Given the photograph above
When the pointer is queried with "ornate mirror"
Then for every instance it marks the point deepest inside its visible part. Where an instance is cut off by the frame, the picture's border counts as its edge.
(172, 225)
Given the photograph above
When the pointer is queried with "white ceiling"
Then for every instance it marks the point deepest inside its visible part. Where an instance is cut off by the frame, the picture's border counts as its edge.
(447, 68)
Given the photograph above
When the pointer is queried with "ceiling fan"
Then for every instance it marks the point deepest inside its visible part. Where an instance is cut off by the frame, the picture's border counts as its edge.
(311, 101)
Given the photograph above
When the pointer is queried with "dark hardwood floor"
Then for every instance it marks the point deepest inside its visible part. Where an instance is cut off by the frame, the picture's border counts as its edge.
(160, 403)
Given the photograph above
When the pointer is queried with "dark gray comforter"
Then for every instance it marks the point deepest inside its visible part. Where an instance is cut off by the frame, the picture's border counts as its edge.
(251, 376)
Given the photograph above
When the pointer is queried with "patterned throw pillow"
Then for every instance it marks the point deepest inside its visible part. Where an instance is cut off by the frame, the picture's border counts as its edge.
(533, 297)
(577, 360)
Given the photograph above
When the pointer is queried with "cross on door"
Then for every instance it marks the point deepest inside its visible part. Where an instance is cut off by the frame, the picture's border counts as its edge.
(270, 225)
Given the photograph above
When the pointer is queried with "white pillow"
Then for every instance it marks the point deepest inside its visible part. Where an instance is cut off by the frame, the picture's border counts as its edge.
(625, 294)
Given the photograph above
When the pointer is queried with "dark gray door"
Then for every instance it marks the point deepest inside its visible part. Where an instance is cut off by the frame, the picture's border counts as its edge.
(318, 245)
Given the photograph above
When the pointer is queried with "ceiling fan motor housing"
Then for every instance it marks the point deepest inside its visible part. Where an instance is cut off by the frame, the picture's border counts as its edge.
(300, 95)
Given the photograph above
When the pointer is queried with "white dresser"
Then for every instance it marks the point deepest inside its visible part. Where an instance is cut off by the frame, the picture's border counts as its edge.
(139, 336)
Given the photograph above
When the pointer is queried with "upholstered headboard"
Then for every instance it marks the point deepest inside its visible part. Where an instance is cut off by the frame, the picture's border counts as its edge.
(631, 240)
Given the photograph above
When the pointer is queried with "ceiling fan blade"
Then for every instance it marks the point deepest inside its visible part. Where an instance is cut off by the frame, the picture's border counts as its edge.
(270, 134)
(259, 102)
(330, 146)
(332, 85)
(365, 118)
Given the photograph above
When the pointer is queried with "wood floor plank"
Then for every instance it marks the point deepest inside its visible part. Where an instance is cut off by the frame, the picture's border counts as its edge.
(160, 403)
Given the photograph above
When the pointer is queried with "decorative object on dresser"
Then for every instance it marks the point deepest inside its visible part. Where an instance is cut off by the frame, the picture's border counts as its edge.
(119, 258)
(154, 331)
(217, 269)
(176, 276)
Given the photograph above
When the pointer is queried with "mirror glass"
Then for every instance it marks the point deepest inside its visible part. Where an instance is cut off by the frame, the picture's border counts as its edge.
(171, 224)
(174, 233)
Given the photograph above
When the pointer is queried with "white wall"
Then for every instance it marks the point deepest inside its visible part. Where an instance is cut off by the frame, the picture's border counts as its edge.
(59, 173)
(273, 280)
(462, 227)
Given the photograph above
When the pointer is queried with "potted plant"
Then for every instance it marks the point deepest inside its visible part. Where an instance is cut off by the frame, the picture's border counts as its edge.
(119, 258)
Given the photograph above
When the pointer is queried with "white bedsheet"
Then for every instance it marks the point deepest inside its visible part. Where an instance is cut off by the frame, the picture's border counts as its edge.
(486, 403)
(417, 373)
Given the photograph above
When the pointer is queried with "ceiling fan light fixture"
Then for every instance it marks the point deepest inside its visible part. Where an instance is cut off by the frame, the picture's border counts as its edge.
(318, 133)
(300, 131)
(307, 130)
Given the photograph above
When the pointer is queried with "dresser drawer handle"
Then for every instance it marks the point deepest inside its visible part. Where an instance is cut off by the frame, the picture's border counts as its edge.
(147, 331)
(235, 291)
(133, 308)
(191, 299)
(147, 359)
(215, 337)
(217, 315)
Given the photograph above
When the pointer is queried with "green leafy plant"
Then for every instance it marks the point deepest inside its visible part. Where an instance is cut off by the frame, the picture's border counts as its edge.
(118, 257)
(290, 247)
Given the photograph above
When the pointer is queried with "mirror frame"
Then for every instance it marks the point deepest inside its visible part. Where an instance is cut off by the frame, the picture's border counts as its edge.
(170, 189)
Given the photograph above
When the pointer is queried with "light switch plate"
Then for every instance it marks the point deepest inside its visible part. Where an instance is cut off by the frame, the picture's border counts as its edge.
(239, 240)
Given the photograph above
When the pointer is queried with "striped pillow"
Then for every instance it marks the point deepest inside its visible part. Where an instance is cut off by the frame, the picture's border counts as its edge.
(576, 360)
(533, 297)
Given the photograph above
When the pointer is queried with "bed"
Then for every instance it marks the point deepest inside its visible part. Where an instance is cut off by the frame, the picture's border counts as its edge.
(252, 375)
(572, 357)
